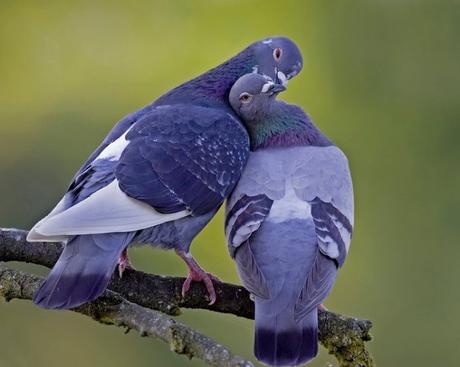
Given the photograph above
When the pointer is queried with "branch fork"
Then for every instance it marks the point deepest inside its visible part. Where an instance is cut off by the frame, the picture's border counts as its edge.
(130, 303)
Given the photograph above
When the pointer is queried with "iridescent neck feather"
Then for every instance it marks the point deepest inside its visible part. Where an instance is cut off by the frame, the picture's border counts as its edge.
(212, 87)
(285, 125)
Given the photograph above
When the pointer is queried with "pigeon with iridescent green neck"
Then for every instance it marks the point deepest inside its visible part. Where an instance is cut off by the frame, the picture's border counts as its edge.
(288, 222)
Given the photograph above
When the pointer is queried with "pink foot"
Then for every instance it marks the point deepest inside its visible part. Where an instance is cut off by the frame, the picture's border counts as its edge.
(321, 307)
(124, 263)
(197, 274)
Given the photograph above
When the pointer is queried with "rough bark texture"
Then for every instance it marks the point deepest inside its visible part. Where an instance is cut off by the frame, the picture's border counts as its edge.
(112, 309)
(342, 336)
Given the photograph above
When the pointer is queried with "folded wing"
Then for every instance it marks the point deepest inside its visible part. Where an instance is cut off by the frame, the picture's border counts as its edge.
(175, 161)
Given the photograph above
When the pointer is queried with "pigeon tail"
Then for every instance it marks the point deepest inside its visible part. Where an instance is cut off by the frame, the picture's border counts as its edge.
(83, 270)
(280, 340)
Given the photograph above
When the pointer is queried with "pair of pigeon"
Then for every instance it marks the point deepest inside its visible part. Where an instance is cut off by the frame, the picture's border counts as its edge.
(163, 171)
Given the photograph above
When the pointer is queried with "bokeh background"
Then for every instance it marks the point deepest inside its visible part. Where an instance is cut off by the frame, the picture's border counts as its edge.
(381, 78)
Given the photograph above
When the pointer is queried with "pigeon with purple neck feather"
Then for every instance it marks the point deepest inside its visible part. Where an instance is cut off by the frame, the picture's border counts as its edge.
(157, 178)
(288, 222)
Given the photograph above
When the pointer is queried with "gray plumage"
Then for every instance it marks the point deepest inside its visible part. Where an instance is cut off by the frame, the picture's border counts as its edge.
(288, 224)
(158, 177)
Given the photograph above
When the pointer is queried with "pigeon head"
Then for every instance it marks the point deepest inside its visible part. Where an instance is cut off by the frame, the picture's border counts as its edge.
(277, 57)
(251, 96)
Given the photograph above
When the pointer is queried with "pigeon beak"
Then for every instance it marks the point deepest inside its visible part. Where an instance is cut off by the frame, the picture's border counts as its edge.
(281, 78)
(295, 70)
(277, 88)
(271, 88)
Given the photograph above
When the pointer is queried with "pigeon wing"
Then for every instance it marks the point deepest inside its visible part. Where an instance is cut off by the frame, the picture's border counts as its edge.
(323, 180)
(183, 157)
(174, 162)
(243, 219)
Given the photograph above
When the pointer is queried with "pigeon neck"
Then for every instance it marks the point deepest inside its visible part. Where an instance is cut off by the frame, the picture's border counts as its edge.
(213, 87)
(285, 126)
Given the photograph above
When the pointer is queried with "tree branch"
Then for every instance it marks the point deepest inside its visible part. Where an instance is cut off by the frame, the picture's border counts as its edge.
(112, 309)
(344, 337)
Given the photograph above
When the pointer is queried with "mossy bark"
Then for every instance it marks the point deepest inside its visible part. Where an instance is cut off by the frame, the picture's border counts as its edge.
(344, 337)
(112, 309)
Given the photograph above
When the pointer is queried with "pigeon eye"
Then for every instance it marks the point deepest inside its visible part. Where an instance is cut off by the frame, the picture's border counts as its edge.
(245, 97)
(277, 53)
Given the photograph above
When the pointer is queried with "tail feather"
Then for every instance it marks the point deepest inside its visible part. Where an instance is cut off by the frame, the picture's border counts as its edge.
(280, 340)
(83, 270)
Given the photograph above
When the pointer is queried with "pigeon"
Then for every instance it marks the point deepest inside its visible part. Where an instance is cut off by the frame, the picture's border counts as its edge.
(158, 178)
(288, 222)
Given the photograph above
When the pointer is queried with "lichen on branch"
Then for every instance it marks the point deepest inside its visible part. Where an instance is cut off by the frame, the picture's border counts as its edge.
(112, 309)
(342, 336)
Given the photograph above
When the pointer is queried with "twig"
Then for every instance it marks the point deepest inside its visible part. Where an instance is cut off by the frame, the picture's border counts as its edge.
(112, 309)
(344, 337)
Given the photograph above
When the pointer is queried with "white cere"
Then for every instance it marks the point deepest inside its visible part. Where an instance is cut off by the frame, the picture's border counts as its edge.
(266, 87)
(283, 79)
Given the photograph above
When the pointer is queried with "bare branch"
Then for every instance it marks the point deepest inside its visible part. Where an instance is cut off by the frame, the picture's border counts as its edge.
(344, 337)
(112, 309)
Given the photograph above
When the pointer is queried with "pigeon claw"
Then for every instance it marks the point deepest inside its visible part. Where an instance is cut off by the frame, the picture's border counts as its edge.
(199, 275)
(124, 263)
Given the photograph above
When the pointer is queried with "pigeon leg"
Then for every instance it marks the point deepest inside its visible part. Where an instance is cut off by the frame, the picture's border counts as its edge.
(197, 274)
(321, 307)
(124, 263)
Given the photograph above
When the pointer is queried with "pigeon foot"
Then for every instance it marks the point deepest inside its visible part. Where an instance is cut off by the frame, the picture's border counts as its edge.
(198, 274)
(124, 263)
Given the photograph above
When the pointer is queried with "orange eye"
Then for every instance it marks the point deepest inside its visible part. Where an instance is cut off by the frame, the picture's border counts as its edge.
(277, 53)
(245, 97)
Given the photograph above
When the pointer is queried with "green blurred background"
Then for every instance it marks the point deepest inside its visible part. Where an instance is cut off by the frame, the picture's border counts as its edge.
(381, 78)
